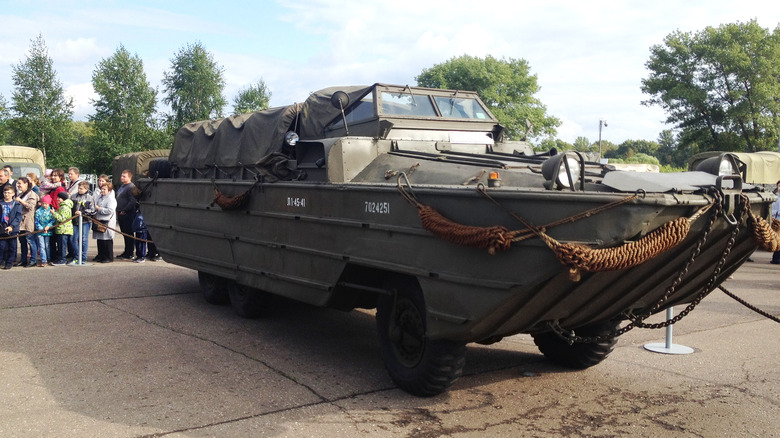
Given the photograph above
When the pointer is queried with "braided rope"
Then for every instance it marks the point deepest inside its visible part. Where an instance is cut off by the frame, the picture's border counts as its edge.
(764, 234)
(226, 202)
(577, 257)
(495, 238)
(582, 258)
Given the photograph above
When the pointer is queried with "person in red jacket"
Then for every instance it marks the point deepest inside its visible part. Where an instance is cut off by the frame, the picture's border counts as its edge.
(58, 180)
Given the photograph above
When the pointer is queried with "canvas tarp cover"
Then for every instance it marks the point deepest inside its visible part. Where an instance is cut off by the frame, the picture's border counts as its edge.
(244, 140)
(136, 162)
(241, 140)
(318, 111)
(762, 167)
(21, 154)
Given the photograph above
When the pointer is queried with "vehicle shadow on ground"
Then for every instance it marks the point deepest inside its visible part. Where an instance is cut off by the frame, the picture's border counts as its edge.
(320, 343)
(163, 362)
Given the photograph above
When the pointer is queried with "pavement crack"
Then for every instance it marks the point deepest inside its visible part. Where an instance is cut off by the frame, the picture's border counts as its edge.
(222, 346)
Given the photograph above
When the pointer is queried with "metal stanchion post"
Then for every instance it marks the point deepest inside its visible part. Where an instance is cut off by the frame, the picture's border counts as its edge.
(668, 347)
(80, 239)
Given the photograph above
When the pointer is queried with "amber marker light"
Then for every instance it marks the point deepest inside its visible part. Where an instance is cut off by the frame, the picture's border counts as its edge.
(494, 180)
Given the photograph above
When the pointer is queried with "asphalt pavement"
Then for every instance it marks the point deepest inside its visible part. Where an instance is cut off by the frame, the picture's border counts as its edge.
(133, 350)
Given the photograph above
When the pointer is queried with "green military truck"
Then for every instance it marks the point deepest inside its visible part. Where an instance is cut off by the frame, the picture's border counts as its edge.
(23, 159)
(413, 202)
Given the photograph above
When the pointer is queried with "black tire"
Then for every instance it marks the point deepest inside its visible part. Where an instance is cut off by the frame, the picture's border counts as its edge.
(579, 355)
(418, 365)
(246, 301)
(214, 288)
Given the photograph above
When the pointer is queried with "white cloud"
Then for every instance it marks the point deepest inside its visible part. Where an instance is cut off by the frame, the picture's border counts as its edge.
(82, 95)
(589, 56)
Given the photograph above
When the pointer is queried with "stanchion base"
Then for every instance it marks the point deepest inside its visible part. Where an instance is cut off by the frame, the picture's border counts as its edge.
(660, 347)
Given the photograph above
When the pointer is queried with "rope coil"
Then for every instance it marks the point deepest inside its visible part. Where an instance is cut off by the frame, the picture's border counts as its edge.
(494, 239)
(577, 257)
(227, 202)
(582, 258)
(764, 234)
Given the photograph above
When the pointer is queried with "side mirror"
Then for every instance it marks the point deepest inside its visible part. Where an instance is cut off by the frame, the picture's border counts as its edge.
(339, 100)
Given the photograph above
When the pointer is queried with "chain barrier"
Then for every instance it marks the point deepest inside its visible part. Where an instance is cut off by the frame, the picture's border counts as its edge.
(91, 219)
(748, 305)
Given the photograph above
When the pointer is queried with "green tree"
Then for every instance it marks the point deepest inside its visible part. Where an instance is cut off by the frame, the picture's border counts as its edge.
(669, 153)
(5, 114)
(719, 86)
(124, 110)
(42, 112)
(582, 144)
(254, 98)
(630, 148)
(194, 86)
(506, 86)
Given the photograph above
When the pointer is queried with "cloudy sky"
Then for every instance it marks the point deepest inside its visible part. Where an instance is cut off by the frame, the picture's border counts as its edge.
(589, 56)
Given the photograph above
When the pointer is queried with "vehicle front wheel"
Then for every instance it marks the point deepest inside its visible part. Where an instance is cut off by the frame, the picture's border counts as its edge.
(214, 288)
(418, 365)
(246, 301)
(579, 355)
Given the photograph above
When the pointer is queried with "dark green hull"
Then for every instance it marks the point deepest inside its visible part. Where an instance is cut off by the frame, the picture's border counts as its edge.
(302, 241)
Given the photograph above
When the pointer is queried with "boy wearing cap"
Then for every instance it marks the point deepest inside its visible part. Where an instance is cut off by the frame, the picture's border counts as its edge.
(44, 220)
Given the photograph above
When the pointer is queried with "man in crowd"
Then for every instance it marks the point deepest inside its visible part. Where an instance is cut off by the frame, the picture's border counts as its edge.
(5, 179)
(125, 207)
(10, 170)
(74, 179)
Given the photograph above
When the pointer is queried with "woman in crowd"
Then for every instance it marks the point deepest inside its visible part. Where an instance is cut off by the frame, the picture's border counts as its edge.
(35, 182)
(29, 200)
(102, 180)
(105, 205)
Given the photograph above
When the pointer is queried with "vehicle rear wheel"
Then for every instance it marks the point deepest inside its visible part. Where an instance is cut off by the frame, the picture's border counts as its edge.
(418, 365)
(247, 302)
(579, 355)
(214, 288)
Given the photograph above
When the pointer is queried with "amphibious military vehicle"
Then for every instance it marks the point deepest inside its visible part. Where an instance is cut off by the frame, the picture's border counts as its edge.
(412, 201)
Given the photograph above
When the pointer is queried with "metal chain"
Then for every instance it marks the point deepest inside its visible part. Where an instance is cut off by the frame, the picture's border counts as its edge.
(748, 305)
(636, 320)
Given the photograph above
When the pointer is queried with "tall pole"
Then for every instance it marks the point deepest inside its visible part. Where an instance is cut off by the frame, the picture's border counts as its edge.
(602, 123)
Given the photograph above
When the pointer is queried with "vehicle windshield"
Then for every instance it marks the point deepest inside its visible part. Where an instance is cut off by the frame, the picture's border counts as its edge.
(460, 108)
(407, 104)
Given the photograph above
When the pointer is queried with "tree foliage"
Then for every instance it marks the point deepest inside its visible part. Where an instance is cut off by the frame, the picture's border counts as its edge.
(582, 144)
(124, 110)
(256, 97)
(5, 114)
(42, 113)
(506, 86)
(194, 86)
(720, 87)
(630, 148)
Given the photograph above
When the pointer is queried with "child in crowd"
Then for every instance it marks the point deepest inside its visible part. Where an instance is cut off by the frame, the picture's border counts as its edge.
(63, 231)
(11, 218)
(45, 184)
(140, 231)
(44, 220)
(83, 205)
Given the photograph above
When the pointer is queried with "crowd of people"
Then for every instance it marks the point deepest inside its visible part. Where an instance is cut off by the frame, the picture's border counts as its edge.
(48, 220)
